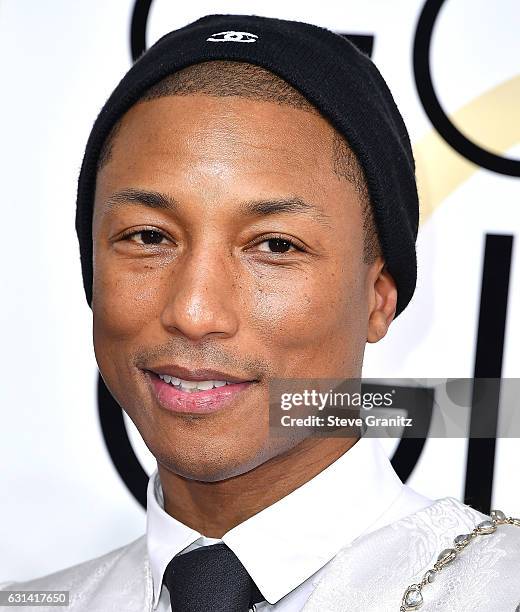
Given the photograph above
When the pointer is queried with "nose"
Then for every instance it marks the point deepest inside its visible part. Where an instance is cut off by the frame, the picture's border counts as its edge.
(201, 295)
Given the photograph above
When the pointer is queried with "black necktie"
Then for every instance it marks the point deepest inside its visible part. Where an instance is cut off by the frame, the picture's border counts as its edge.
(210, 579)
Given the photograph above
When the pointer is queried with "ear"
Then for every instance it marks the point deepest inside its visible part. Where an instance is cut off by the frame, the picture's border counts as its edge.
(382, 300)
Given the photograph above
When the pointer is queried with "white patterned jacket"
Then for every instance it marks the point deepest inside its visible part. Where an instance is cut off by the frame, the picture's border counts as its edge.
(370, 575)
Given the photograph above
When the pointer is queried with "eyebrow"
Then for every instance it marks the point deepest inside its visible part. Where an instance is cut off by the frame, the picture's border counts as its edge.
(265, 207)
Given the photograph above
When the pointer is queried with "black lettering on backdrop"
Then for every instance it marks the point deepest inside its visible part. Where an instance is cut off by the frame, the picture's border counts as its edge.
(442, 123)
(494, 292)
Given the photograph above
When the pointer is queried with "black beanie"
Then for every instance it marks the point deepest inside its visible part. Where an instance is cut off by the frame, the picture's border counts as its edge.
(338, 79)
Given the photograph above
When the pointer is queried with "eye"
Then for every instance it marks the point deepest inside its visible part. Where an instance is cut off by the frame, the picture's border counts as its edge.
(148, 237)
(278, 245)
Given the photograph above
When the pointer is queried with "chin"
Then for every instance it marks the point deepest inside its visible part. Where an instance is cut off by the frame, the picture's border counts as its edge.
(203, 470)
(208, 462)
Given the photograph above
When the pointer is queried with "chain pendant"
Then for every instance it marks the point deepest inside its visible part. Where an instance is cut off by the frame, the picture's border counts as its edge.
(413, 597)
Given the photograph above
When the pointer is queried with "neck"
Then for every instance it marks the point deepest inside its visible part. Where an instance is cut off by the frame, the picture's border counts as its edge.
(213, 508)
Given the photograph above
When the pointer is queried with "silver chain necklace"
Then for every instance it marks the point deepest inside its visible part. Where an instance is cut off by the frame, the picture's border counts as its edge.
(413, 597)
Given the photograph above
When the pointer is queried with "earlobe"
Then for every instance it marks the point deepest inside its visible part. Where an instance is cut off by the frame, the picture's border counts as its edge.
(382, 305)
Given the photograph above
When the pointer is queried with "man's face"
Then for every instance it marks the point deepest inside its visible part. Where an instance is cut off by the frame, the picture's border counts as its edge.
(211, 284)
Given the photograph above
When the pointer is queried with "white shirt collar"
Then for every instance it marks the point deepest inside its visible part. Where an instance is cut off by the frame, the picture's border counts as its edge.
(290, 540)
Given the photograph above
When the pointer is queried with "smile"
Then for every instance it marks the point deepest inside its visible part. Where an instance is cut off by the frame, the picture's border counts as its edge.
(194, 396)
(192, 385)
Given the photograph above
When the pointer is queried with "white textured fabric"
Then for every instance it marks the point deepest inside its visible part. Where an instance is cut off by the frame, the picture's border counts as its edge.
(287, 546)
(119, 581)
(369, 575)
(386, 537)
(373, 574)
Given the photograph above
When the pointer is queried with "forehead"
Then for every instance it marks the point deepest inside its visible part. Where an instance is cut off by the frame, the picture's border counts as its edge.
(227, 128)
(224, 149)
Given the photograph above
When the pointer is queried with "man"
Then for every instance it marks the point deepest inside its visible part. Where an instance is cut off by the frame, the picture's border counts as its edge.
(234, 232)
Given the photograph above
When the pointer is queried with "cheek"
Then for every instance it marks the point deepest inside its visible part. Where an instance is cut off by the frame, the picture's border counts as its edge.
(293, 309)
(125, 299)
(124, 306)
(284, 308)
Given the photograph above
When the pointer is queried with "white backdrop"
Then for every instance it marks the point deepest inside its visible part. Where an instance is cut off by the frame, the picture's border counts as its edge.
(62, 499)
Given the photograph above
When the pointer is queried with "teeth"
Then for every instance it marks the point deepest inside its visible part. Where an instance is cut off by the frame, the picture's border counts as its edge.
(204, 385)
(192, 385)
(189, 384)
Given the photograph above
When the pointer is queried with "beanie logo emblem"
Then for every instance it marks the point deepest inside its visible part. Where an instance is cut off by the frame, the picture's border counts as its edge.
(232, 36)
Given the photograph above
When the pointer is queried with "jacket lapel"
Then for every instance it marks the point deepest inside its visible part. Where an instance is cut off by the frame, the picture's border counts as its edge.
(373, 572)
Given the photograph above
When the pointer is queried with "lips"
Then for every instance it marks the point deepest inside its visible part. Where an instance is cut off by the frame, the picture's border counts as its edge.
(196, 373)
(175, 398)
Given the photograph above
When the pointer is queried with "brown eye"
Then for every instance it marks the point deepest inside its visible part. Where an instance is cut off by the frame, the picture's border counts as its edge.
(277, 245)
(148, 237)
(151, 237)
